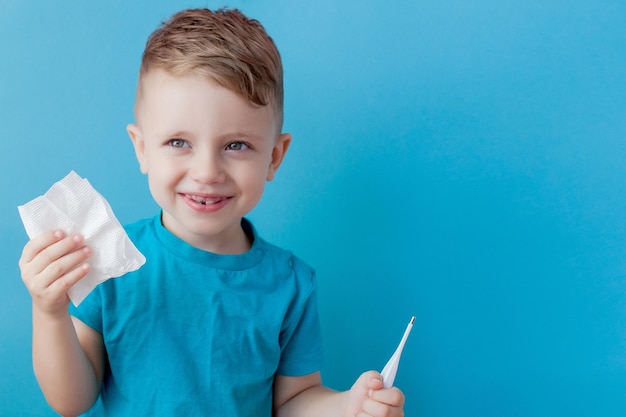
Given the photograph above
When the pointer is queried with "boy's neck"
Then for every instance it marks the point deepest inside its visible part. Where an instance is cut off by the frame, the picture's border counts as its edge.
(236, 241)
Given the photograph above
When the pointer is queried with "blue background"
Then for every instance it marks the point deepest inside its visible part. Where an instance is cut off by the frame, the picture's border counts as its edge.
(460, 161)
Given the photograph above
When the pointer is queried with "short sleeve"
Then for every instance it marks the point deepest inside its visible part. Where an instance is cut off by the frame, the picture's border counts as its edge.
(300, 340)
(89, 310)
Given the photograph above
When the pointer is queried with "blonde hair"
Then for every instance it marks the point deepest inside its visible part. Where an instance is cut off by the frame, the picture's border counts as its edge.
(222, 45)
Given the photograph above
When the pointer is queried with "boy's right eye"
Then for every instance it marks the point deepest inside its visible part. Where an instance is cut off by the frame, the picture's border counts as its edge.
(177, 143)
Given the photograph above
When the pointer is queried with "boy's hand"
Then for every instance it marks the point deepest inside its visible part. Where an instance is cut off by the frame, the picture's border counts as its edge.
(368, 398)
(50, 264)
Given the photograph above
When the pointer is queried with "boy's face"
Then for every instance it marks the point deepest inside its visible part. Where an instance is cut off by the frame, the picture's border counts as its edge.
(207, 153)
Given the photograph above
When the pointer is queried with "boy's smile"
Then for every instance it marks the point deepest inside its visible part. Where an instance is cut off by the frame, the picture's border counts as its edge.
(208, 153)
(205, 203)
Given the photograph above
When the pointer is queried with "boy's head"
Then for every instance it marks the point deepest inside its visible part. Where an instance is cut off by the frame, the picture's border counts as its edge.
(224, 46)
(208, 124)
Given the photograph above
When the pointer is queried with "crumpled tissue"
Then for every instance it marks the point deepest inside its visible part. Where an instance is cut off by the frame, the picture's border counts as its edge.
(74, 206)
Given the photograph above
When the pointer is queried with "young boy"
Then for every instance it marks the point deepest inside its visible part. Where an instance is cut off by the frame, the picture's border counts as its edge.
(218, 321)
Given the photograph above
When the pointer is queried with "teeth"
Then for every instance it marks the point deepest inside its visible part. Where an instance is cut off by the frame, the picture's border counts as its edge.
(205, 201)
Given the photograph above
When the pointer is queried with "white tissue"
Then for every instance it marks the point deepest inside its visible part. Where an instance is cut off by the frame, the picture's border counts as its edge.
(74, 206)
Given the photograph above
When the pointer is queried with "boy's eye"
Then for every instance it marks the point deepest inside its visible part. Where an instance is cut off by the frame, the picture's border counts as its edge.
(177, 143)
(236, 146)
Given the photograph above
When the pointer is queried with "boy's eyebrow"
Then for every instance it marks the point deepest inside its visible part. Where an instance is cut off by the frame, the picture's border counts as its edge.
(229, 135)
(177, 134)
(244, 134)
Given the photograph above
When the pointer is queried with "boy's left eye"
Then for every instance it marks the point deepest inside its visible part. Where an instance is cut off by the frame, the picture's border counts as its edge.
(236, 146)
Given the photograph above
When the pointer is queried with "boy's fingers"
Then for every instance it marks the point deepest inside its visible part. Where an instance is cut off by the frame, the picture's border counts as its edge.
(390, 396)
(383, 402)
(375, 380)
(38, 244)
(72, 277)
(372, 408)
(50, 259)
(374, 400)
(369, 379)
(66, 262)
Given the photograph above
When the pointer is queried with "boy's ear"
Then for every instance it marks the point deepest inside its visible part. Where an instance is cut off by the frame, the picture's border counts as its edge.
(139, 145)
(278, 154)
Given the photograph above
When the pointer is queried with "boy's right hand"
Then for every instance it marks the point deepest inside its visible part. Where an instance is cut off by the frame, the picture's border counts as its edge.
(50, 264)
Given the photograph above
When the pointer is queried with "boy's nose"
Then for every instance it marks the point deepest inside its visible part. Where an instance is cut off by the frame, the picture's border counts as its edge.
(207, 168)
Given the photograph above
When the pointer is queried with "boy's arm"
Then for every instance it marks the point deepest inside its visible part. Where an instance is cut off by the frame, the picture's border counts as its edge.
(68, 356)
(306, 397)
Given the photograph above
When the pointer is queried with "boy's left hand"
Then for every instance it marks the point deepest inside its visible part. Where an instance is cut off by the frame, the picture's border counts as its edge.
(368, 398)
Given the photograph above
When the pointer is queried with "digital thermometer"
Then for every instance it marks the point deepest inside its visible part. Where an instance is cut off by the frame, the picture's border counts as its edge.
(389, 371)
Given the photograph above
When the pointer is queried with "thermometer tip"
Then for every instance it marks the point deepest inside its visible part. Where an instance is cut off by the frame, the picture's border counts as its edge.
(412, 320)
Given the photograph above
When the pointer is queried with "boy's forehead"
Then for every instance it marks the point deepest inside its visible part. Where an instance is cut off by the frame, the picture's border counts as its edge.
(158, 81)
(161, 93)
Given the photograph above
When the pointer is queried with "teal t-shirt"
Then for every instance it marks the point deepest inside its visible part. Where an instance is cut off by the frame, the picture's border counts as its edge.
(193, 333)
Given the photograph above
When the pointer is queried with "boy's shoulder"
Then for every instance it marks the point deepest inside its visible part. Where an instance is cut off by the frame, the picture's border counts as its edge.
(140, 228)
(279, 255)
(294, 261)
(140, 224)
(287, 267)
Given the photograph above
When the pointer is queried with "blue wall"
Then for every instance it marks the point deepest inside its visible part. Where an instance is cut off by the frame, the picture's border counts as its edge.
(455, 160)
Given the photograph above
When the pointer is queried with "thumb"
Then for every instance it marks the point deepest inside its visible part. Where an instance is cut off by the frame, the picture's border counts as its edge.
(368, 381)
(362, 389)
